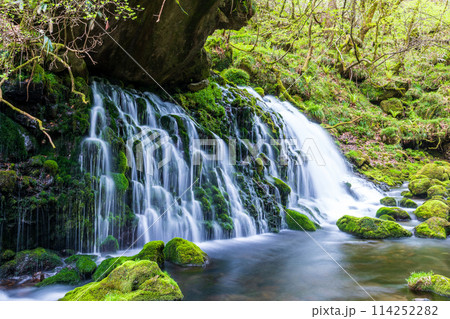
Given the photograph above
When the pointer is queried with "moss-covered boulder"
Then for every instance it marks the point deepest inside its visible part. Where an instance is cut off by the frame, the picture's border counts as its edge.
(6, 255)
(420, 186)
(388, 201)
(387, 217)
(184, 253)
(407, 194)
(397, 213)
(371, 228)
(236, 76)
(8, 181)
(437, 170)
(51, 167)
(28, 262)
(407, 203)
(152, 251)
(284, 190)
(66, 276)
(437, 190)
(299, 221)
(432, 208)
(393, 107)
(85, 267)
(428, 281)
(109, 245)
(433, 227)
(133, 281)
(357, 158)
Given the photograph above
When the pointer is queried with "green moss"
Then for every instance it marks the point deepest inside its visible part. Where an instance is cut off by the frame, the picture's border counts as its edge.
(12, 143)
(438, 170)
(65, 277)
(132, 281)
(387, 217)
(433, 227)
(184, 253)
(432, 208)
(122, 164)
(419, 187)
(437, 190)
(51, 167)
(392, 107)
(236, 76)
(121, 182)
(74, 258)
(397, 213)
(6, 255)
(298, 221)
(109, 244)
(371, 228)
(28, 262)
(408, 203)
(8, 180)
(422, 281)
(357, 158)
(260, 91)
(85, 267)
(388, 201)
(152, 251)
(284, 190)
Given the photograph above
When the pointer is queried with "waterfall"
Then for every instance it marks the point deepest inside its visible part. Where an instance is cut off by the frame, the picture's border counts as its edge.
(185, 181)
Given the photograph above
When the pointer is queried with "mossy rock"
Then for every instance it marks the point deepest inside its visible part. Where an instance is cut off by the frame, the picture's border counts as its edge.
(236, 76)
(388, 201)
(387, 217)
(85, 267)
(407, 194)
(437, 190)
(397, 213)
(260, 91)
(420, 186)
(371, 228)
(109, 245)
(6, 255)
(152, 251)
(284, 190)
(74, 258)
(8, 180)
(66, 276)
(133, 281)
(357, 158)
(28, 262)
(432, 208)
(433, 227)
(408, 203)
(51, 167)
(393, 107)
(438, 170)
(121, 182)
(429, 282)
(184, 253)
(299, 221)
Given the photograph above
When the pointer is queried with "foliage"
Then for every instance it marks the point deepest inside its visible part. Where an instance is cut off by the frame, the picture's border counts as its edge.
(184, 253)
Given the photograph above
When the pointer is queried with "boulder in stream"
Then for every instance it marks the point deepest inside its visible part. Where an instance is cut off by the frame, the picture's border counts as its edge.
(428, 281)
(432, 208)
(433, 227)
(133, 281)
(397, 213)
(371, 228)
(184, 253)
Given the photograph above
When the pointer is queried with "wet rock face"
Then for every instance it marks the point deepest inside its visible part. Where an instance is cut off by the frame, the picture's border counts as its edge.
(170, 50)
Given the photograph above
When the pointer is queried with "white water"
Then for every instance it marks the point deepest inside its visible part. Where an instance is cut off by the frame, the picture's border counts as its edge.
(161, 174)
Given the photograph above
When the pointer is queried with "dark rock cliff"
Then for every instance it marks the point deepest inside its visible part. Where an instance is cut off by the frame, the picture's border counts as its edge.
(170, 50)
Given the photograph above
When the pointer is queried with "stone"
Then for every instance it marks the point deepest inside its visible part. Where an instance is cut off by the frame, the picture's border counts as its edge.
(184, 253)
(397, 213)
(432, 208)
(195, 87)
(133, 281)
(434, 227)
(299, 221)
(371, 228)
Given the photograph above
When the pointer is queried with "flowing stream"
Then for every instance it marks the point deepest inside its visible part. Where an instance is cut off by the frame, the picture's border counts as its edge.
(168, 167)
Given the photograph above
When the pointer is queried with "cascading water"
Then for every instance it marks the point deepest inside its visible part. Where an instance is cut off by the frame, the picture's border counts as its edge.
(184, 185)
